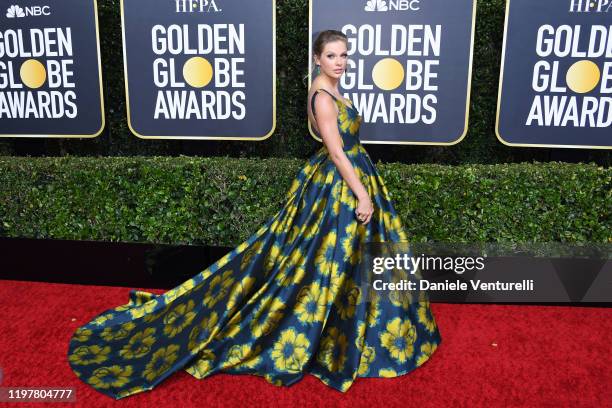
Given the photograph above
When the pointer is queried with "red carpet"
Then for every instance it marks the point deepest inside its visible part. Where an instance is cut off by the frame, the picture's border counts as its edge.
(491, 355)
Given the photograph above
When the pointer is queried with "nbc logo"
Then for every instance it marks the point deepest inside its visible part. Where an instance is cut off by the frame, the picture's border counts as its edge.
(394, 5)
(14, 11)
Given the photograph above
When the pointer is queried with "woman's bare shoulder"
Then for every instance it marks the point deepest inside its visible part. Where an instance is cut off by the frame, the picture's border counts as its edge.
(316, 86)
(324, 107)
(325, 102)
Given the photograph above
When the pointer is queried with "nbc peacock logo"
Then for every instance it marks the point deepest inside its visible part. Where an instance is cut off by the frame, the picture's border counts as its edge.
(392, 5)
(14, 11)
(376, 5)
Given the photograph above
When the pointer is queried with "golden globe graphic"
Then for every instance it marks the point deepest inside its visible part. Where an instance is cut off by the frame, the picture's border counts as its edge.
(50, 70)
(408, 67)
(556, 75)
(32, 73)
(200, 69)
(388, 74)
(197, 72)
(583, 76)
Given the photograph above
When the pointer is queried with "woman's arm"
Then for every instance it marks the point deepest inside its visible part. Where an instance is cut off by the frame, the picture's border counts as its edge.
(327, 122)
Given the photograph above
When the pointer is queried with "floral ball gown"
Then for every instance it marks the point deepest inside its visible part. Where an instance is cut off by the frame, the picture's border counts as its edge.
(283, 303)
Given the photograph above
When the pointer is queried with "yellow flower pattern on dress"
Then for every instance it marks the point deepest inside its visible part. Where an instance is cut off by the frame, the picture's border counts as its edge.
(249, 254)
(139, 344)
(311, 303)
(273, 255)
(240, 291)
(290, 351)
(325, 253)
(387, 372)
(289, 272)
(99, 321)
(85, 355)
(219, 288)
(367, 357)
(122, 332)
(113, 376)
(161, 361)
(267, 316)
(359, 340)
(130, 391)
(232, 328)
(337, 279)
(427, 349)
(335, 196)
(143, 309)
(399, 338)
(82, 334)
(350, 253)
(332, 351)
(179, 318)
(243, 355)
(179, 290)
(349, 297)
(400, 298)
(289, 300)
(373, 309)
(425, 316)
(208, 327)
(348, 125)
(203, 365)
(153, 316)
(295, 232)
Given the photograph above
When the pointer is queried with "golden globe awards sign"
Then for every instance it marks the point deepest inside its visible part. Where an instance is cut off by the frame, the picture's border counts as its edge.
(409, 65)
(556, 75)
(50, 75)
(200, 69)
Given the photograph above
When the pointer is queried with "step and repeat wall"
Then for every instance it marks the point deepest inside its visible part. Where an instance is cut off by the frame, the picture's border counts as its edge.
(206, 69)
(409, 66)
(200, 71)
(50, 71)
(555, 87)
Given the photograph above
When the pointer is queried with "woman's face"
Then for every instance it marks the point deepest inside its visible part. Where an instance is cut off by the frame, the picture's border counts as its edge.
(333, 59)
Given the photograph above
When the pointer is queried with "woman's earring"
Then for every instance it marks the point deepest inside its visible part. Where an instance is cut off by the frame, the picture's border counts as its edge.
(317, 70)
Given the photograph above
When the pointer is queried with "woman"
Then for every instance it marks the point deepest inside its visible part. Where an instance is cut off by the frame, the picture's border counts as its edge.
(287, 301)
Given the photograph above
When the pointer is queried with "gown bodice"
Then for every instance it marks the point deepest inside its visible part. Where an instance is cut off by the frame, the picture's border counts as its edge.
(349, 121)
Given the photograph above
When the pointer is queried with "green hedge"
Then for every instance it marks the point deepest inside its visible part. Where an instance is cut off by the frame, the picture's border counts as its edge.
(221, 201)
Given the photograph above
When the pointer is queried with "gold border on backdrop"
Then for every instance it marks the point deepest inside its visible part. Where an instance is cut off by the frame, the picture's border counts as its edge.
(180, 137)
(103, 123)
(499, 93)
(468, 91)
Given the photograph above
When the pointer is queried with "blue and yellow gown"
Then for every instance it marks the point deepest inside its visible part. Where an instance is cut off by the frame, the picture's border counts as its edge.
(285, 302)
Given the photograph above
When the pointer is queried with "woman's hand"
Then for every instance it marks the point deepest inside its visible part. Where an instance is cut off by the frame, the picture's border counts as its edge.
(364, 209)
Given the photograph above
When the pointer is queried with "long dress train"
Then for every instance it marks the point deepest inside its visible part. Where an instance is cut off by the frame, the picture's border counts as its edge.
(285, 302)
